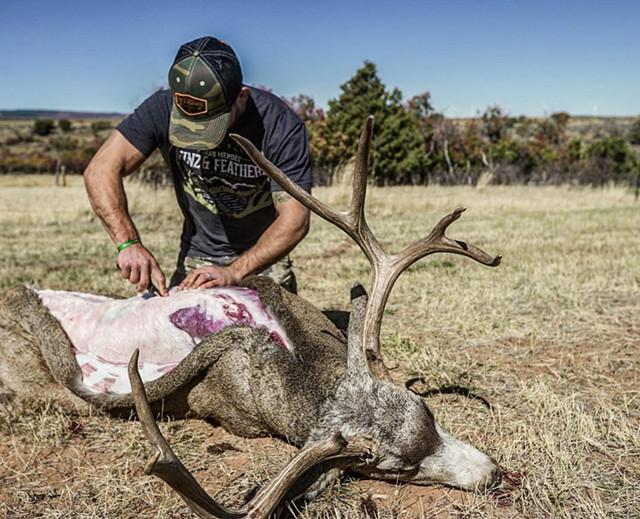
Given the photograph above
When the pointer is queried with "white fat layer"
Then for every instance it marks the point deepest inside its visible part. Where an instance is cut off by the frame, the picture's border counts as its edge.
(104, 332)
(458, 464)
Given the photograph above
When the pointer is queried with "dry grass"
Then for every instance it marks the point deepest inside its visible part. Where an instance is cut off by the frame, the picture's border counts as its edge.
(551, 338)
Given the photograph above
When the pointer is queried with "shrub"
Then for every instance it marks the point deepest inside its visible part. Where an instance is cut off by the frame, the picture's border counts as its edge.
(560, 119)
(505, 151)
(634, 132)
(63, 143)
(496, 123)
(98, 126)
(77, 159)
(65, 125)
(610, 159)
(574, 150)
(43, 127)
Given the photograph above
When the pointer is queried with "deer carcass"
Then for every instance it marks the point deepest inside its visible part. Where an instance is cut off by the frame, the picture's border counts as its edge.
(258, 360)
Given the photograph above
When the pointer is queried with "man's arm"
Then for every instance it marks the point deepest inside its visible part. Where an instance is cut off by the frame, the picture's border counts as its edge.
(287, 230)
(115, 159)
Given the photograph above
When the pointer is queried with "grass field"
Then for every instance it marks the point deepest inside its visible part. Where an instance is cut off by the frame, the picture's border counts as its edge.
(551, 339)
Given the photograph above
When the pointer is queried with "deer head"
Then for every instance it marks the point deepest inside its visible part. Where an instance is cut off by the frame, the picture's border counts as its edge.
(371, 425)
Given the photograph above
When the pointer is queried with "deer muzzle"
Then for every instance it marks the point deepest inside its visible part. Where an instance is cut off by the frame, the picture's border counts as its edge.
(458, 464)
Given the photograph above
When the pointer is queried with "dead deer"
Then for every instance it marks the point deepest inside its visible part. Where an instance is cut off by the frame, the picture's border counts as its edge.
(332, 399)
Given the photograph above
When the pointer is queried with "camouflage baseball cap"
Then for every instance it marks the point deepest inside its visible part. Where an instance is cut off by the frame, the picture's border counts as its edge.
(205, 79)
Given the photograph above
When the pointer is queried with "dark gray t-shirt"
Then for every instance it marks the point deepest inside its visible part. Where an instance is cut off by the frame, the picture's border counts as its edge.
(225, 198)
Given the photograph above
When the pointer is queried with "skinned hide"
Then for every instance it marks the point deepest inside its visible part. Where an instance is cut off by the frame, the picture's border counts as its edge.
(240, 376)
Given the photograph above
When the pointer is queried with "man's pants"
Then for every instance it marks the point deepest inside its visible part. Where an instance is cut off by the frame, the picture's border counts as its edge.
(281, 271)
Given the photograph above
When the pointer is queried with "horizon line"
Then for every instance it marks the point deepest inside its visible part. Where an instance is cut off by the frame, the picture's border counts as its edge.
(479, 114)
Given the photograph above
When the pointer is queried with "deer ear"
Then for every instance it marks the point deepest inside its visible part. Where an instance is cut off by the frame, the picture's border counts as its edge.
(389, 463)
(358, 291)
(323, 480)
(374, 365)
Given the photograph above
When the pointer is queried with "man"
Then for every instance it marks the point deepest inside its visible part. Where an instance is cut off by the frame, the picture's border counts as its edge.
(236, 221)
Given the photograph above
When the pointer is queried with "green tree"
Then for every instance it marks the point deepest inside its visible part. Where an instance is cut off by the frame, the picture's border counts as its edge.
(43, 127)
(420, 106)
(396, 156)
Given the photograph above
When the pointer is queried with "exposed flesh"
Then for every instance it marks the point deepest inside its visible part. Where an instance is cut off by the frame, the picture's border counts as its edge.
(104, 332)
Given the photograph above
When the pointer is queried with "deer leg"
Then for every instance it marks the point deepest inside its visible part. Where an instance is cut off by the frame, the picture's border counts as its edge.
(224, 394)
(23, 370)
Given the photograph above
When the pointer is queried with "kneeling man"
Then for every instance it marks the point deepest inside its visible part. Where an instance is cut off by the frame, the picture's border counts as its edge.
(237, 222)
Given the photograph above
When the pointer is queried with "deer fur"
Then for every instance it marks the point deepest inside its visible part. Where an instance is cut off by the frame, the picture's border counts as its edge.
(237, 377)
(240, 379)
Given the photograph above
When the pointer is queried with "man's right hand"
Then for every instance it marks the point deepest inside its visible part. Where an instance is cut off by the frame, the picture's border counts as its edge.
(139, 266)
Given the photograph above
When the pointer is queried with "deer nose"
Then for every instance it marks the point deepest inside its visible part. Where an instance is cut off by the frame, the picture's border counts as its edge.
(496, 478)
(493, 479)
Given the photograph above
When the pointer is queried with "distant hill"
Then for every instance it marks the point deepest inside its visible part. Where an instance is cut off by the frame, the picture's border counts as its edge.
(57, 114)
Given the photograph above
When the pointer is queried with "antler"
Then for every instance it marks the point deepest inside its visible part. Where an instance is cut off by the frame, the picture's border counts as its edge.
(386, 267)
(166, 465)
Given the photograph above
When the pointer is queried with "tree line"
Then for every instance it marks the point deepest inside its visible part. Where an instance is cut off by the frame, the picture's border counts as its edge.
(413, 143)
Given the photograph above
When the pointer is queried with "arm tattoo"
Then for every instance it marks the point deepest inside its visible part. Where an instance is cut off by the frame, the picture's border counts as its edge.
(280, 197)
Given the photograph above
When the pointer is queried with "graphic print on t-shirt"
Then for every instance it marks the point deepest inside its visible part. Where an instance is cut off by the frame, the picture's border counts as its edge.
(224, 180)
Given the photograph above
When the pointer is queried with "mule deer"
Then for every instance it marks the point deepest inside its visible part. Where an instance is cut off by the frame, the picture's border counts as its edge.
(331, 397)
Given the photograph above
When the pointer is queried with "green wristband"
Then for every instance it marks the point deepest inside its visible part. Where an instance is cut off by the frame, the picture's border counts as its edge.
(126, 244)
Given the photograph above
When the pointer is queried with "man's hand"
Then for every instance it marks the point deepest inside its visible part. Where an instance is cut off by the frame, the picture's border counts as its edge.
(210, 276)
(139, 266)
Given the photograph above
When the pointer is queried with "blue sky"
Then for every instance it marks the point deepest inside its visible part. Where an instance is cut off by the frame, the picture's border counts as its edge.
(532, 57)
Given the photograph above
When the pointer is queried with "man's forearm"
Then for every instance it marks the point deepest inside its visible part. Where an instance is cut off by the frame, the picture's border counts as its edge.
(109, 202)
(275, 243)
(103, 181)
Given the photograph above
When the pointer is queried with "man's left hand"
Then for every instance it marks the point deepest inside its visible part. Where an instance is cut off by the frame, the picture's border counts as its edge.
(208, 277)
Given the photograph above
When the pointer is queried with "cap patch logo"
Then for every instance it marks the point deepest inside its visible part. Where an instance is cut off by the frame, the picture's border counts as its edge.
(191, 105)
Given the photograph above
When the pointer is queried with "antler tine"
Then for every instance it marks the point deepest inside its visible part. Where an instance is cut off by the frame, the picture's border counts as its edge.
(335, 449)
(438, 242)
(360, 170)
(166, 465)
